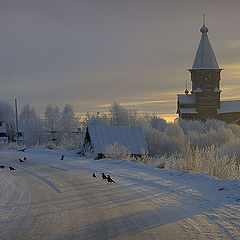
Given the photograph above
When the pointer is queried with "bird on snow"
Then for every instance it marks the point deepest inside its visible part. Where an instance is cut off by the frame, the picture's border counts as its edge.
(25, 158)
(2, 166)
(104, 177)
(22, 150)
(109, 179)
(62, 157)
(11, 168)
(94, 175)
(20, 160)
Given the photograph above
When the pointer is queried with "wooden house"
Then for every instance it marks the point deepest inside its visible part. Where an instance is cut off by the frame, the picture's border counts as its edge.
(97, 138)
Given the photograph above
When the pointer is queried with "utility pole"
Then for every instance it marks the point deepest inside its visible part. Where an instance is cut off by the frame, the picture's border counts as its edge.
(16, 119)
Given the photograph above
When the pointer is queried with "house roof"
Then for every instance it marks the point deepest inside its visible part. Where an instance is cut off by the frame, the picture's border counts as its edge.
(205, 57)
(188, 110)
(3, 127)
(186, 99)
(217, 90)
(229, 106)
(131, 137)
(198, 90)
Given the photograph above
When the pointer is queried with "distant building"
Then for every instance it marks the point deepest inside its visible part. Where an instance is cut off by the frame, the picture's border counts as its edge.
(21, 132)
(97, 138)
(3, 131)
(19, 136)
(204, 100)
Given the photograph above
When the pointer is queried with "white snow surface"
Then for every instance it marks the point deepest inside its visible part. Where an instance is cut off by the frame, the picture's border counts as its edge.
(46, 198)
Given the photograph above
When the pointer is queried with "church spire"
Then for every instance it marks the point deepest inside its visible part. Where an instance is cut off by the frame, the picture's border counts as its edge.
(205, 57)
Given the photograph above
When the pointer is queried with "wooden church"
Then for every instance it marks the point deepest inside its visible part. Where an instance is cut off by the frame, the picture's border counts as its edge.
(204, 100)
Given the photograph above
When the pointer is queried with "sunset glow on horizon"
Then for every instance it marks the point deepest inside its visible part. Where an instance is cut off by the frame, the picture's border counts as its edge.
(94, 54)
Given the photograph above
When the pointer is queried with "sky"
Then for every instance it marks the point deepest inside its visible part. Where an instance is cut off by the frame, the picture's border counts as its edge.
(92, 53)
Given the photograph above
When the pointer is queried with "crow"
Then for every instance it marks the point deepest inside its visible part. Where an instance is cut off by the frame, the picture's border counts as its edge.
(2, 166)
(62, 157)
(22, 150)
(11, 168)
(109, 179)
(25, 158)
(20, 160)
(94, 175)
(104, 177)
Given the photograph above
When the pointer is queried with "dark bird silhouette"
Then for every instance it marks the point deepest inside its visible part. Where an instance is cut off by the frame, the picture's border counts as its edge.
(109, 179)
(25, 158)
(22, 150)
(2, 166)
(62, 157)
(94, 175)
(11, 168)
(104, 177)
(20, 160)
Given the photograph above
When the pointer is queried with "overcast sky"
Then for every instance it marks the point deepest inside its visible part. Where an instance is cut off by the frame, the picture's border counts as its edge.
(93, 53)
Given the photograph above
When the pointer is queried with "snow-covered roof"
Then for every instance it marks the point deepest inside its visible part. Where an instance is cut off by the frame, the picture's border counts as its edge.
(205, 57)
(186, 99)
(229, 106)
(3, 127)
(217, 90)
(198, 90)
(188, 110)
(131, 137)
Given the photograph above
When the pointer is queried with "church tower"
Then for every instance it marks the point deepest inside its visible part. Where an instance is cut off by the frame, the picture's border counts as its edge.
(204, 100)
(205, 77)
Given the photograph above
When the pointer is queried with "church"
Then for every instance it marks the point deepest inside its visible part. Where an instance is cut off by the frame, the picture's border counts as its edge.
(204, 100)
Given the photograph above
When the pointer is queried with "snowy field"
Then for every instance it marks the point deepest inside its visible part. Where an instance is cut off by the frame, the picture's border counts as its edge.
(46, 198)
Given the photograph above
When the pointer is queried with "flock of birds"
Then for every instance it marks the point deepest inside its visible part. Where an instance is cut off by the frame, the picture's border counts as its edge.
(104, 177)
(20, 160)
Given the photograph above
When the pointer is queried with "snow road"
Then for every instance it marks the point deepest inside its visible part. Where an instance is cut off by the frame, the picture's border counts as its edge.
(46, 198)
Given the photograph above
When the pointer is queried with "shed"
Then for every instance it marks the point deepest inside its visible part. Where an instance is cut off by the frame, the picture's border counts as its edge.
(97, 138)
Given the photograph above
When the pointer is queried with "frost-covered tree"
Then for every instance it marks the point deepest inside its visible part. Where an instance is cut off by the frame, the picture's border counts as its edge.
(7, 113)
(33, 125)
(97, 119)
(158, 123)
(68, 120)
(120, 116)
(28, 114)
(117, 151)
(52, 117)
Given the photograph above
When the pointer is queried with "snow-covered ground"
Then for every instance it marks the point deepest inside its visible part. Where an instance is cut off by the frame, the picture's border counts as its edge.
(46, 198)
